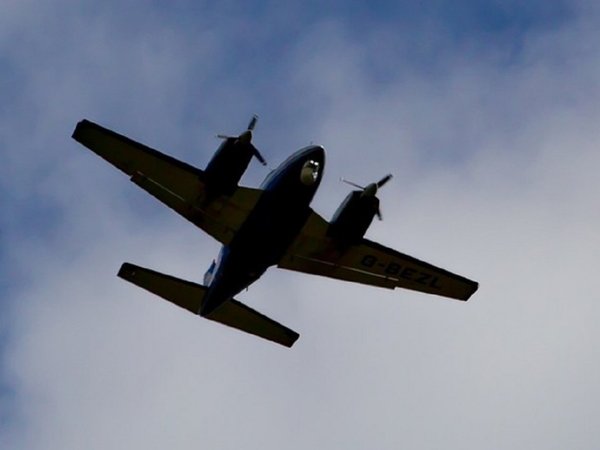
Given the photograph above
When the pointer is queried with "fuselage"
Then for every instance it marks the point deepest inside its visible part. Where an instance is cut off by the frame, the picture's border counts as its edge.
(270, 228)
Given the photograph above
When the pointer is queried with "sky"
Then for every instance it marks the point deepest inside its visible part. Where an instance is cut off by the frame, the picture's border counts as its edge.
(487, 114)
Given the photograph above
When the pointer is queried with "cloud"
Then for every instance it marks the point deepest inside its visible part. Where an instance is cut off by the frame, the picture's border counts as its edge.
(494, 158)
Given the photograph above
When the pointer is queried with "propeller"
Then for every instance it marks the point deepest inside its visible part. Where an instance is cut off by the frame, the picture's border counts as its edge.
(370, 190)
(246, 138)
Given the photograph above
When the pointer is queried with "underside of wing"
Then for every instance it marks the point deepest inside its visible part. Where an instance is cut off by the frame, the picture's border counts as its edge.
(369, 263)
(178, 185)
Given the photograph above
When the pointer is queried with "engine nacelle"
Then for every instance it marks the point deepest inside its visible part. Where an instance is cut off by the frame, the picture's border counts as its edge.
(353, 217)
(227, 166)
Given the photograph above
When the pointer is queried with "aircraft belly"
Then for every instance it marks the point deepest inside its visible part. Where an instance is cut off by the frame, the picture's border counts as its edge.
(261, 242)
(264, 237)
(270, 229)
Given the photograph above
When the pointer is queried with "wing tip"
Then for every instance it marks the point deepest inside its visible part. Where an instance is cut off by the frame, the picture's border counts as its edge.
(293, 338)
(127, 271)
(79, 128)
(473, 288)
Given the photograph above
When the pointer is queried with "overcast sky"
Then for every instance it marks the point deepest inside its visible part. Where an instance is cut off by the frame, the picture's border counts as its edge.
(487, 113)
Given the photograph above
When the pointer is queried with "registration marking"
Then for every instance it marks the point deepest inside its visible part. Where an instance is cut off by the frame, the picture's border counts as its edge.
(395, 269)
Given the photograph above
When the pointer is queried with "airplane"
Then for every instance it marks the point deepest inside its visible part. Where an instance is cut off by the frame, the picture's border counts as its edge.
(273, 225)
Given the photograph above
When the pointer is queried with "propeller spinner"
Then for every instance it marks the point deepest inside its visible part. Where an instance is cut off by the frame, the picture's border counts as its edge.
(370, 190)
(246, 139)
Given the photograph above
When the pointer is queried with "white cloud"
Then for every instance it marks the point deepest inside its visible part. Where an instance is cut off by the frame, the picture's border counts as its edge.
(495, 178)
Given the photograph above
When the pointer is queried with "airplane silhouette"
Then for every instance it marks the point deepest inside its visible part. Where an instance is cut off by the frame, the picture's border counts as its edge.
(259, 228)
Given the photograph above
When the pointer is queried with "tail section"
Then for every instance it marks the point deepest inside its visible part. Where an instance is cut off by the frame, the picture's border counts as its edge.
(190, 296)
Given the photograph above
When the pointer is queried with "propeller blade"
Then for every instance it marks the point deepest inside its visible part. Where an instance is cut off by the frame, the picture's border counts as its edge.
(245, 139)
(258, 155)
(250, 127)
(252, 123)
(384, 180)
(343, 180)
(370, 191)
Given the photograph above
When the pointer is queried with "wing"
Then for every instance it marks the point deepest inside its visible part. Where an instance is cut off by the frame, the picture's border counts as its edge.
(178, 185)
(369, 263)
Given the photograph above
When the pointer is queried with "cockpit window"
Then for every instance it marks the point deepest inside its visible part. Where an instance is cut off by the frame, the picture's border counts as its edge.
(310, 172)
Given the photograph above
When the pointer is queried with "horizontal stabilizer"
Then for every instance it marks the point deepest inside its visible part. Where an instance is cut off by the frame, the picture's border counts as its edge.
(184, 294)
(242, 317)
(188, 295)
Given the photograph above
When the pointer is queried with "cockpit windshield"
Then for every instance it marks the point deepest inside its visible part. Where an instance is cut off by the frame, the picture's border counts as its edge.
(310, 172)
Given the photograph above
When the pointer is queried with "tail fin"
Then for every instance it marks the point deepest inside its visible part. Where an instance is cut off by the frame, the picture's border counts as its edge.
(188, 295)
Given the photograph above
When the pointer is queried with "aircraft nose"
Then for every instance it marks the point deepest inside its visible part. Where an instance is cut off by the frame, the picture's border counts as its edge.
(317, 153)
(312, 165)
